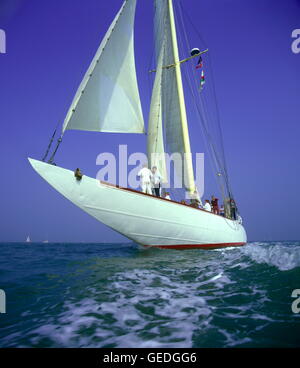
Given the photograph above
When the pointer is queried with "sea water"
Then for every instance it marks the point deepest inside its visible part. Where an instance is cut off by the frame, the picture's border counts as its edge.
(118, 295)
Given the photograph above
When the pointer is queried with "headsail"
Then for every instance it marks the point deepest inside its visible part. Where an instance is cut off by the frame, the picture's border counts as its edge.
(173, 105)
(155, 143)
(107, 99)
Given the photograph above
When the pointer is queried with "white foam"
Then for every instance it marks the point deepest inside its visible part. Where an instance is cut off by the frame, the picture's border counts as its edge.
(282, 256)
(168, 306)
(138, 314)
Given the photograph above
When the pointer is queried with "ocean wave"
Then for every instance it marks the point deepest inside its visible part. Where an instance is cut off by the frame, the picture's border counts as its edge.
(147, 310)
(163, 299)
(284, 257)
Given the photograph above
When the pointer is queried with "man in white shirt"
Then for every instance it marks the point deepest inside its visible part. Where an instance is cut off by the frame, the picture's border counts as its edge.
(145, 174)
(207, 206)
(156, 180)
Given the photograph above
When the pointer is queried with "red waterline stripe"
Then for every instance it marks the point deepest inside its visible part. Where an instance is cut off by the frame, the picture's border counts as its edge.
(191, 246)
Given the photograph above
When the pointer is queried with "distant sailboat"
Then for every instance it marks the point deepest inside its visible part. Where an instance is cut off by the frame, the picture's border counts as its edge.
(108, 100)
(28, 240)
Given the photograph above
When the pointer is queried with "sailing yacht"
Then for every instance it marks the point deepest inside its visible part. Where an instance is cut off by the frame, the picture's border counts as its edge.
(107, 101)
(28, 240)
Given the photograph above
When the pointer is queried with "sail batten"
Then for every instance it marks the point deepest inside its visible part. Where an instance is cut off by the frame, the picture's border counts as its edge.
(107, 99)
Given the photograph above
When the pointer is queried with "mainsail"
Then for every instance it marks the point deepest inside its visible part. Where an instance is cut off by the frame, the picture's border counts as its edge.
(173, 104)
(107, 99)
(155, 143)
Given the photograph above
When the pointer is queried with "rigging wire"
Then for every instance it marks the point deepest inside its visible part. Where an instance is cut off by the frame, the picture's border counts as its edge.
(51, 160)
(201, 114)
(213, 89)
(202, 109)
(49, 145)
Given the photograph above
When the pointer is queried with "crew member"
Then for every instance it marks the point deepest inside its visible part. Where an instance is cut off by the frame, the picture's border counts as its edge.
(78, 174)
(222, 210)
(195, 200)
(207, 206)
(167, 196)
(215, 205)
(145, 174)
(156, 181)
(232, 209)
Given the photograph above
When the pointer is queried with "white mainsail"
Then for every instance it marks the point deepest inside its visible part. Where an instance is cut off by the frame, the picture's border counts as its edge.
(155, 142)
(173, 105)
(107, 99)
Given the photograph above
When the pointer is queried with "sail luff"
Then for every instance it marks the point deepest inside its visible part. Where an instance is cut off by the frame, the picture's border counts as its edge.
(183, 116)
(107, 99)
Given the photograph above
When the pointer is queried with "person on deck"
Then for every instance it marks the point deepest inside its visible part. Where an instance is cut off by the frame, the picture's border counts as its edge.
(155, 181)
(167, 196)
(207, 206)
(215, 205)
(232, 209)
(195, 200)
(227, 209)
(222, 210)
(145, 174)
(78, 174)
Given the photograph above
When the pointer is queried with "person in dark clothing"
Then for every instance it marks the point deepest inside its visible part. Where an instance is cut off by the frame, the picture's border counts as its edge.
(232, 209)
(156, 181)
(215, 205)
(78, 174)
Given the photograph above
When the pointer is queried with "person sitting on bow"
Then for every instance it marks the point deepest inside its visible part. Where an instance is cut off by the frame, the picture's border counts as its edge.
(78, 174)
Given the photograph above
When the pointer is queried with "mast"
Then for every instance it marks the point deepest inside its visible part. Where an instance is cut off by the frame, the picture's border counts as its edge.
(183, 117)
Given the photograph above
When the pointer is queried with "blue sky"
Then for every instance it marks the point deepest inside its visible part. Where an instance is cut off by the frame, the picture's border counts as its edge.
(257, 79)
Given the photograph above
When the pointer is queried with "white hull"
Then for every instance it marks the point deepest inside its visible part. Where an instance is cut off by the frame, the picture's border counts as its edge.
(145, 219)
